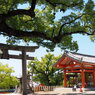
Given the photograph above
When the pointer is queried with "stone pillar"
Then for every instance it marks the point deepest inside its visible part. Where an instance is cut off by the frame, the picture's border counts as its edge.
(24, 73)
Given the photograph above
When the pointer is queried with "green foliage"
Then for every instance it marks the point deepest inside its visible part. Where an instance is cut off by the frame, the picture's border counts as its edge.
(92, 38)
(88, 18)
(44, 72)
(6, 79)
(55, 18)
(89, 6)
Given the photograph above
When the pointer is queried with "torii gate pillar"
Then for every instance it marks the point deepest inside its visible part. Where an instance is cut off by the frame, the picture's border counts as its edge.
(4, 48)
(24, 73)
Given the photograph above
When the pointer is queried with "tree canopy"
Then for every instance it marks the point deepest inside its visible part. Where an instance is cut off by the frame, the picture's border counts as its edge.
(6, 79)
(44, 72)
(47, 23)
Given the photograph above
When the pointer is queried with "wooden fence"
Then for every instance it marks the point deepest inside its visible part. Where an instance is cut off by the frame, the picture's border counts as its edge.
(37, 88)
(43, 88)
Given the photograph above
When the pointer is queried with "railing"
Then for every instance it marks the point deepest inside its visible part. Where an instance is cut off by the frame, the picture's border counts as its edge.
(43, 88)
(38, 88)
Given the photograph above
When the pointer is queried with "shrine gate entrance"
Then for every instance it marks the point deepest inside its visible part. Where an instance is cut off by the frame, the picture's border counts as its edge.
(24, 49)
(79, 67)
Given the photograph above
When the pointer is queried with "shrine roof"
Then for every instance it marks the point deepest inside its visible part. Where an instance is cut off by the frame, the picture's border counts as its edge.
(69, 58)
(80, 57)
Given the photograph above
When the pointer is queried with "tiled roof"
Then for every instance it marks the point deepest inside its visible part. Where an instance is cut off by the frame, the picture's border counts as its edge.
(80, 57)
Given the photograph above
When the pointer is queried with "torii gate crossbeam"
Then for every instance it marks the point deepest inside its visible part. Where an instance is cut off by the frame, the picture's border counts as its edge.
(4, 48)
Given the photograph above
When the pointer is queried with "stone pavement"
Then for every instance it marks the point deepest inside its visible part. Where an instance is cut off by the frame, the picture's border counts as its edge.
(66, 93)
(60, 91)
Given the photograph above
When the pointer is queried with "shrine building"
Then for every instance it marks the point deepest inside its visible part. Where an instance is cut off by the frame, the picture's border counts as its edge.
(78, 69)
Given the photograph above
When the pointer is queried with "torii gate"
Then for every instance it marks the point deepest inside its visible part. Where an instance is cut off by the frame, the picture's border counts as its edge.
(5, 55)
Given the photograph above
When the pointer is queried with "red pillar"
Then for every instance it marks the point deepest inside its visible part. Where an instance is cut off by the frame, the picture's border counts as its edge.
(83, 78)
(94, 78)
(86, 78)
(65, 79)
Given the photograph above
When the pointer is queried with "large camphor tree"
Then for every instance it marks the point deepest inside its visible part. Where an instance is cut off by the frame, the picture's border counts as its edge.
(47, 23)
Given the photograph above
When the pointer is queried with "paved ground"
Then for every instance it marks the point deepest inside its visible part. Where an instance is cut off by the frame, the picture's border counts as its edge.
(59, 92)
(66, 93)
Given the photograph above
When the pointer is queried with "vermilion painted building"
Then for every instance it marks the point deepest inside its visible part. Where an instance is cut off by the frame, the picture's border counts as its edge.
(81, 64)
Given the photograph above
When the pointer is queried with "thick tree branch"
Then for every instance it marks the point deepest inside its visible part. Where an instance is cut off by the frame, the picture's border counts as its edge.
(58, 38)
(68, 23)
(19, 33)
(5, 29)
(80, 32)
(30, 12)
(33, 5)
(18, 12)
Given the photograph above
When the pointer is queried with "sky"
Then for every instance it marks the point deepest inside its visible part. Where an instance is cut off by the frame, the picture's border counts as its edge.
(85, 47)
